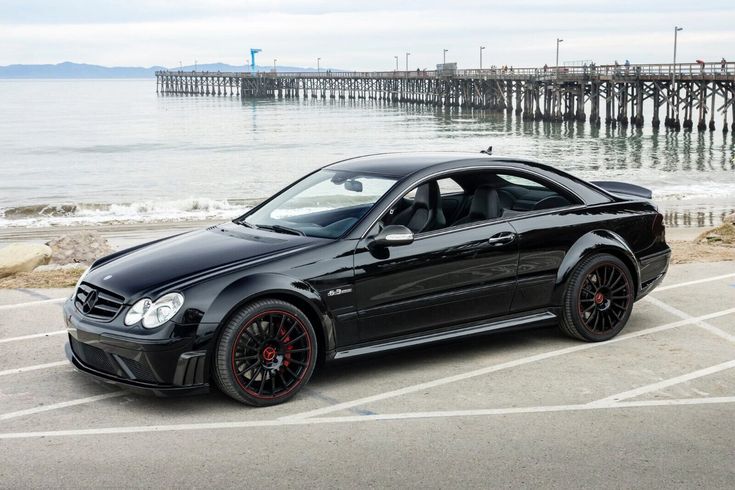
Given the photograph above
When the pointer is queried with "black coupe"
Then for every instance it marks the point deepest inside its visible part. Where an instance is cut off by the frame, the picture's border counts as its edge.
(362, 256)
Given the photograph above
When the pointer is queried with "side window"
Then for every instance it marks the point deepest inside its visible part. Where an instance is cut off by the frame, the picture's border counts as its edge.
(449, 186)
(496, 195)
(520, 194)
(514, 179)
(470, 197)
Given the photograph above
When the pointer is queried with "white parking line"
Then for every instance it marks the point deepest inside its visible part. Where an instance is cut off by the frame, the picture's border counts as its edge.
(56, 406)
(497, 367)
(691, 283)
(698, 322)
(642, 390)
(362, 418)
(34, 368)
(33, 303)
(33, 336)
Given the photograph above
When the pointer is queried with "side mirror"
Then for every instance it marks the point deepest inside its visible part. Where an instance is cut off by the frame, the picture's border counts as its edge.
(392, 236)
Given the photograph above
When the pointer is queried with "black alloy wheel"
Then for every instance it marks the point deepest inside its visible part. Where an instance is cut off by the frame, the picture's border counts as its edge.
(598, 300)
(266, 353)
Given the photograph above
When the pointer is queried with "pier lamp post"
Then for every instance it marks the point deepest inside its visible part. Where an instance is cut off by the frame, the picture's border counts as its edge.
(407, 55)
(444, 60)
(673, 73)
(274, 64)
(396, 57)
(676, 35)
(181, 66)
(195, 65)
(481, 48)
(558, 41)
(318, 66)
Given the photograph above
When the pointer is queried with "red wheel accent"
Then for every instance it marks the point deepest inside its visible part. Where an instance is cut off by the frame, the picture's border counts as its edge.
(271, 354)
(604, 298)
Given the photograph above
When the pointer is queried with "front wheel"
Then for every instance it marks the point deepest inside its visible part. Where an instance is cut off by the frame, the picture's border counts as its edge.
(598, 299)
(266, 353)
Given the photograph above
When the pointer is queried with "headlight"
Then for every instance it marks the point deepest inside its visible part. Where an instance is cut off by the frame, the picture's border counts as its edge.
(137, 311)
(81, 278)
(162, 310)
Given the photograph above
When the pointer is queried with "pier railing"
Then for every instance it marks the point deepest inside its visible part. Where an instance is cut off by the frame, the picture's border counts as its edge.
(659, 69)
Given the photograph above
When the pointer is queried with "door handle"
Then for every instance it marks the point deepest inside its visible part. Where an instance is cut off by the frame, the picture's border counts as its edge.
(501, 238)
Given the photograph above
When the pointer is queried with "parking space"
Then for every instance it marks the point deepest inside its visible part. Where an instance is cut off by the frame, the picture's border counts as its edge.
(652, 407)
(724, 324)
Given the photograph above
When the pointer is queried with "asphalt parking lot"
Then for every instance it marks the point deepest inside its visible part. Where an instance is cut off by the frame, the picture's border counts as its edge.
(655, 407)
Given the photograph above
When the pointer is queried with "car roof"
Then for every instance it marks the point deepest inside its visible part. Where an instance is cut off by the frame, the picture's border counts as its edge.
(399, 165)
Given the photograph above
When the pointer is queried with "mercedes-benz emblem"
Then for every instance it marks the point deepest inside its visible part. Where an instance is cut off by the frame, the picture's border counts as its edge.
(90, 301)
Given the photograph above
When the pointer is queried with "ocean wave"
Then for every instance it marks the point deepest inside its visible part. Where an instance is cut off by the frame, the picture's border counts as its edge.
(41, 215)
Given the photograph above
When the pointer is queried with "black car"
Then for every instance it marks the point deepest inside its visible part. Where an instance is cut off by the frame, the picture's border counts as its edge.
(362, 256)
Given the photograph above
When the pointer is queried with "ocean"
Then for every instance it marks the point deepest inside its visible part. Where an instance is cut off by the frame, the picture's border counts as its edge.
(78, 152)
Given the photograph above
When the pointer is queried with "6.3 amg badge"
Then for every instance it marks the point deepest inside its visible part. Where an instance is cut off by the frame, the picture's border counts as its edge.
(338, 291)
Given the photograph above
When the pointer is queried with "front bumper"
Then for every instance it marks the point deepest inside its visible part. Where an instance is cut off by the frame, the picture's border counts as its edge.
(162, 367)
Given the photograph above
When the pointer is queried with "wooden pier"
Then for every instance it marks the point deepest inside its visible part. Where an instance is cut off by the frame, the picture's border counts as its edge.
(682, 96)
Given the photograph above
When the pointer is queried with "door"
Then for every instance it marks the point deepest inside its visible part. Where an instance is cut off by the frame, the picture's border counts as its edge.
(444, 278)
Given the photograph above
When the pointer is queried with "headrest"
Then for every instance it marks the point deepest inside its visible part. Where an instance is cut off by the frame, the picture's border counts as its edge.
(485, 203)
(427, 195)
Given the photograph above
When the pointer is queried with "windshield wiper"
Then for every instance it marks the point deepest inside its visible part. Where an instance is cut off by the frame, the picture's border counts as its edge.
(282, 229)
(244, 223)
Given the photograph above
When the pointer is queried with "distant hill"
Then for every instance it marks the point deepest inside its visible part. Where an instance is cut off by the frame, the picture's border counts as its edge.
(83, 70)
(75, 70)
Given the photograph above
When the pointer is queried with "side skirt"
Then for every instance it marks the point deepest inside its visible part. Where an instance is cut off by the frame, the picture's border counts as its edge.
(526, 321)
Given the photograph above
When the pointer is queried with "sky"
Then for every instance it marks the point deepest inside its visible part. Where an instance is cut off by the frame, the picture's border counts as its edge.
(363, 35)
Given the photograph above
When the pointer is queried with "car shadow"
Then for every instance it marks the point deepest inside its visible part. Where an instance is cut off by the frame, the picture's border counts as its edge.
(352, 370)
(437, 354)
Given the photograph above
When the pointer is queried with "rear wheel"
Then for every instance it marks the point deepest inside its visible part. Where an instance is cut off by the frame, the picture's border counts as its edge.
(266, 353)
(598, 299)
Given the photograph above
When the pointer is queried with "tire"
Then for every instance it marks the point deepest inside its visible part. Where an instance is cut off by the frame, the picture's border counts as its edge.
(598, 299)
(266, 353)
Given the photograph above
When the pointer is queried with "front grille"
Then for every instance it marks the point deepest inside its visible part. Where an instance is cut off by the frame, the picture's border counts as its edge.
(92, 356)
(103, 305)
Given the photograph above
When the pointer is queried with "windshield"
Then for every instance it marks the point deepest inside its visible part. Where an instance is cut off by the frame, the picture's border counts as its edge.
(325, 204)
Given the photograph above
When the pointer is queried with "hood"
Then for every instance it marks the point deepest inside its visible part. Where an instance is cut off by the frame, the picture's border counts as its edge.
(185, 256)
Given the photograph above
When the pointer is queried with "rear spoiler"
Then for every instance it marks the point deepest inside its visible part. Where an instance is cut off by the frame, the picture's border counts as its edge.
(623, 188)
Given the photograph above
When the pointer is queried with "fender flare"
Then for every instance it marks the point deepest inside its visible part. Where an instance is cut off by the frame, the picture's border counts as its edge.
(594, 242)
(280, 286)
